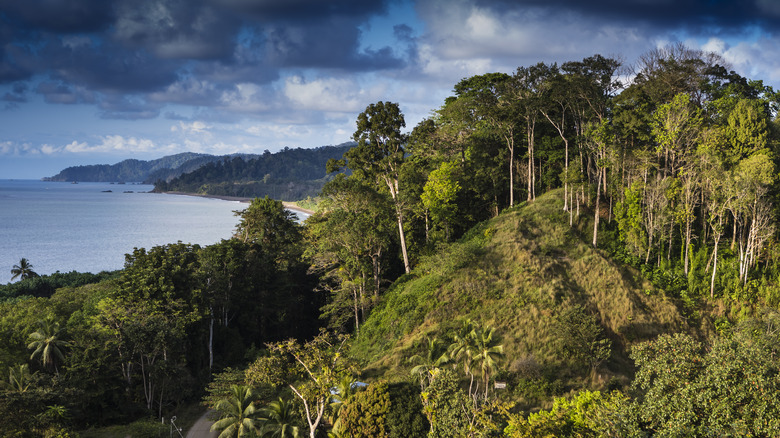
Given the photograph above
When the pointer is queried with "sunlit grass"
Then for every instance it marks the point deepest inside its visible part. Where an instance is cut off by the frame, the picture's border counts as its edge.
(515, 273)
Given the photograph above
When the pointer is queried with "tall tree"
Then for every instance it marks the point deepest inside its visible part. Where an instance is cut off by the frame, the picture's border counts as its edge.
(267, 223)
(347, 243)
(379, 155)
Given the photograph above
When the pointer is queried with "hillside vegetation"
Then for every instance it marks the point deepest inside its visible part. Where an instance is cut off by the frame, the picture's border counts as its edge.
(288, 175)
(516, 273)
(136, 170)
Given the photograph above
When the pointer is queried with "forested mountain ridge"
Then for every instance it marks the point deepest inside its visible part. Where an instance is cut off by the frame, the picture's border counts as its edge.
(133, 170)
(289, 175)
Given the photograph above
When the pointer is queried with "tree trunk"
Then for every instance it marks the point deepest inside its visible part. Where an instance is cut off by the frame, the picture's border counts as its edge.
(510, 144)
(596, 208)
(714, 268)
(211, 338)
(687, 244)
(407, 266)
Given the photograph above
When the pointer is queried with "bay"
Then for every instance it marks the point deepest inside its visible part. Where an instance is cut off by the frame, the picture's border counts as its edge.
(89, 227)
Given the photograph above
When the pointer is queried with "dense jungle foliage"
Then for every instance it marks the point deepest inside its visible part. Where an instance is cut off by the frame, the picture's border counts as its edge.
(584, 249)
(287, 175)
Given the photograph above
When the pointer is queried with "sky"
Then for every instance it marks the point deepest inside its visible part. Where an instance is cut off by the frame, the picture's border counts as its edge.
(99, 81)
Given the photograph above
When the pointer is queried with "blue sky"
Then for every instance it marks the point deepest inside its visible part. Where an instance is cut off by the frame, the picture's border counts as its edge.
(96, 81)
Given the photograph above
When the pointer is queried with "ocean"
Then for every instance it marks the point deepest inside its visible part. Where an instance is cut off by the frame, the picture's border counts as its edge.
(89, 227)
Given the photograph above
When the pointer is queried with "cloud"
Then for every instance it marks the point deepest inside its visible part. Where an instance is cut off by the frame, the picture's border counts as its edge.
(112, 144)
(196, 127)
(54, 92)
(327, 94)
(175, 29)
(72, 16)
(297, 72)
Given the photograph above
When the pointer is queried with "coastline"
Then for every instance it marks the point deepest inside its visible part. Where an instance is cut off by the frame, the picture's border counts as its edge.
(287, 205)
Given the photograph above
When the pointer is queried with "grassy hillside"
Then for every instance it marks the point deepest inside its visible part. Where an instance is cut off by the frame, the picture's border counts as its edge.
(516, 272)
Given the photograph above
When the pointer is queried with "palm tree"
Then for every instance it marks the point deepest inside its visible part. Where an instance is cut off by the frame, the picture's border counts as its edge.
(48, 344)
(23, 270)
(238, 413)
(477, 349)
(487, 352)
(461, 350)
(432, 357)
(279, 420)
(18, 378)
(342, 393)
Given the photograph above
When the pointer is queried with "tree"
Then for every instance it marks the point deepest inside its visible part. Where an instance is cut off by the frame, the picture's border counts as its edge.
(18, 378)
(148, 317)
(226, 270)
(238, 413)
(487, 353)
(346, 244)
(380, 154)
(267, 223)
(476, 348)
(365, 415)
(320, 364)
(440, 193)
(343, 392)
(446, 406)
(433, 356)
(279, 420)
(666, 368)
(23, 270)
(587, 414)
(47, 344)
(582, 337)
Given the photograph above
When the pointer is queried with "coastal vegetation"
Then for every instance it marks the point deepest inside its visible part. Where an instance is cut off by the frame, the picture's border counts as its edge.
(568, 250)
(287, 175)
(135, 170)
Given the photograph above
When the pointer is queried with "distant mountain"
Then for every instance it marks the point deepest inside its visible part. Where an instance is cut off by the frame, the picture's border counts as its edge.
(133, 170)
(288, 175)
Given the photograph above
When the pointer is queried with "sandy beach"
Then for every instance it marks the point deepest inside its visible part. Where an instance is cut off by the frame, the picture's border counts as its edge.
(288, 205)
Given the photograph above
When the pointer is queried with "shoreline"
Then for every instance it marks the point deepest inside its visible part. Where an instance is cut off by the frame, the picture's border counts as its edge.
(287, 205)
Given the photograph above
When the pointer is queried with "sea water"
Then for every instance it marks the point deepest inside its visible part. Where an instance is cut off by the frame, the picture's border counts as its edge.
(89, 227)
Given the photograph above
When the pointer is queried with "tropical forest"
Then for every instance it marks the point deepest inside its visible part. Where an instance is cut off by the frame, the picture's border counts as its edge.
(576, 250)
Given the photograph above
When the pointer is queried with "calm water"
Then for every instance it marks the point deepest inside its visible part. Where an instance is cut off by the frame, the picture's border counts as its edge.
(66, 227)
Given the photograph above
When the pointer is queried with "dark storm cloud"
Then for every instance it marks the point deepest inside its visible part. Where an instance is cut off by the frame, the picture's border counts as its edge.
(16, 95)
(166, 49)
(65, 16)
(694, 15)
(61, 93)
(331, 43)
(128, 107)
(304, 10)
(176, 29)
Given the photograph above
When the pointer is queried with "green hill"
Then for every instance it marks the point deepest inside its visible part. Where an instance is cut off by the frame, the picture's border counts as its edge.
(136, 170)
(288, 175)
(517, 273)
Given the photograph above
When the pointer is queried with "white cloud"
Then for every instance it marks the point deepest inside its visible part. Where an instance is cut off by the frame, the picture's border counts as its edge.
(12, 148)
(325, 94)
(196, 127)
(247, 98)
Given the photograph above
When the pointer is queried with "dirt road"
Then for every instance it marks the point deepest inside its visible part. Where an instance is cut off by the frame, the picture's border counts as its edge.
(201, 428)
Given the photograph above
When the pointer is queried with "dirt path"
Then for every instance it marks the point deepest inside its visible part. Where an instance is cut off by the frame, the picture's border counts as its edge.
(201, 428)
